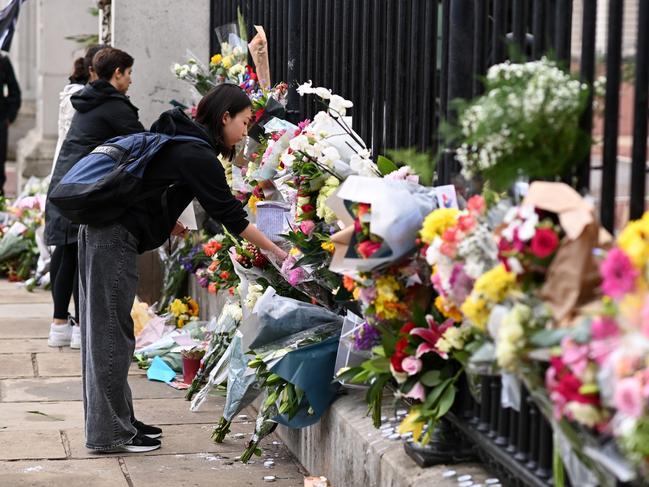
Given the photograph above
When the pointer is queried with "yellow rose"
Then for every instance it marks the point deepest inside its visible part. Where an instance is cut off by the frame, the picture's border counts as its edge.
(227, 62)
(216, 59)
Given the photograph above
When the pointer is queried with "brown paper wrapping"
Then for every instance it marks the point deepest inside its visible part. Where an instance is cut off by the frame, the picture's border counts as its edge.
(259, 51)
(573, 277)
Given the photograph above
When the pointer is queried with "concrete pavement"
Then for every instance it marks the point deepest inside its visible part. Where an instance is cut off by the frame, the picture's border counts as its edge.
(41, 420)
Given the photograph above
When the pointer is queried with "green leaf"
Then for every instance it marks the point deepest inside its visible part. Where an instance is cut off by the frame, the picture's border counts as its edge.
(379, 364)
(548, 338)
(431, 378)
(435, 394)
(446, 401)
(588, 389)
(385, 165)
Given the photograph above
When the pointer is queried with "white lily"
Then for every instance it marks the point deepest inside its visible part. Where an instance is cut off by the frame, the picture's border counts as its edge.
(306, 88)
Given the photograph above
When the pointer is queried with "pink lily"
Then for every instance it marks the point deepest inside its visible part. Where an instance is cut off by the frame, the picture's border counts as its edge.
(430, 336)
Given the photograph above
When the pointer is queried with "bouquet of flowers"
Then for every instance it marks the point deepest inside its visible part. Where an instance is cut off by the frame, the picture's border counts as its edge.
(183, 310)
(195, 73)
(528, 243)
(459, 247)
(526, 123)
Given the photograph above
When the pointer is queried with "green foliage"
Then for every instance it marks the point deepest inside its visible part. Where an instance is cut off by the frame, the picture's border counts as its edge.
(423, 163)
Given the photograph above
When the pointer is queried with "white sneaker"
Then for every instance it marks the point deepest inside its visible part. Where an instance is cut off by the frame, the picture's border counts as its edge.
(75, 342)
(60, 335)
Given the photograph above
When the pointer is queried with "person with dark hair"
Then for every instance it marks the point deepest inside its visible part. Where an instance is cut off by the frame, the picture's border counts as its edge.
(63, 262)
(178, 173)
(101, 111)
(9, 106)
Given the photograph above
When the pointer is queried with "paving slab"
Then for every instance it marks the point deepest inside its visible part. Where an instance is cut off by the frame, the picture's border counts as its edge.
(18, 312)
(41, 416)
(192, 438)
(70, 389)
(59, 365)
(21, 296)
(16, 365)
(198, 470)
(30, 345)
(27, 445)
(100, 472)
(23, 328)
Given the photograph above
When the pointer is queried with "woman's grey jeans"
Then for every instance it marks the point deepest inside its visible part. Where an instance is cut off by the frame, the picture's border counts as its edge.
(107, 283)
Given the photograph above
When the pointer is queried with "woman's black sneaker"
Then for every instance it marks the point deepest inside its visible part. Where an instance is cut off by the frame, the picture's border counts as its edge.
(139, 444)
(147, 430)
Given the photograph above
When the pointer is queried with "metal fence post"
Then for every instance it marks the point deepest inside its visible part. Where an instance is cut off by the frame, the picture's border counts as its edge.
(460, 69)
(293, 58)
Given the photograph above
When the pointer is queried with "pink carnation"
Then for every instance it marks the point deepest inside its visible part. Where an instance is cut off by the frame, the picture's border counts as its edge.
(618, 274)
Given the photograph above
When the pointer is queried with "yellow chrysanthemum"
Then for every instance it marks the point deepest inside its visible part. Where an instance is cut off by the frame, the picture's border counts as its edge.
(634, 240)
(437, 222)
(177, 307)
(448, 310)
(412, 423)
(476, 310)
(216, 59)
(328, 246)
(252, 204)
(495, 284)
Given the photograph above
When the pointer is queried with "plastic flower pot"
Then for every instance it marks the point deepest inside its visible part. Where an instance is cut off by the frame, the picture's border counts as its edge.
(190, 368)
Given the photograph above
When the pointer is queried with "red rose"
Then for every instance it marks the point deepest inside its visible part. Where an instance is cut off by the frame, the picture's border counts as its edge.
(396, 361)
(544, 242)
(259, 114)
(405, 329)
(368, 248)
(308, 208)
(401, 345)
(224, 275)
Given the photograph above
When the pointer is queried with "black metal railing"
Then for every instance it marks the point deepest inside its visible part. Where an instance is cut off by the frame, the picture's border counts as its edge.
(402, 61)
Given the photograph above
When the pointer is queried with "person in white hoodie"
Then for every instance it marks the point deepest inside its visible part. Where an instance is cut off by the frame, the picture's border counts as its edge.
(64, 330)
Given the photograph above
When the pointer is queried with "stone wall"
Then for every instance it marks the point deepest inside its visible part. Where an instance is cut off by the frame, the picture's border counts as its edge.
(158, 33)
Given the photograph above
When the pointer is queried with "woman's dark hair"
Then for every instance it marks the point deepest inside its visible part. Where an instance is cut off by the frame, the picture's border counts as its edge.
(107, 60)
(79, 72)
(225, 98)
(90, 54)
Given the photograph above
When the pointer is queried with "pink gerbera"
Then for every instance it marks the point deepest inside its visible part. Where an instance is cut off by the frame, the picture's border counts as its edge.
(618, 274)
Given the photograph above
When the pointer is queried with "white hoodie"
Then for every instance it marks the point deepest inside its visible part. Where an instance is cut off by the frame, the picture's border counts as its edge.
(66, 112)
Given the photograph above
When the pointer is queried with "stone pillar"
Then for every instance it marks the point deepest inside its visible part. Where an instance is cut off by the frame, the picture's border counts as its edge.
(158, 33)
(55, 20)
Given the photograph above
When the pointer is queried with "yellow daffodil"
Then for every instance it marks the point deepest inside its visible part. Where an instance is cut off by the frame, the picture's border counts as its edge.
(216, 59)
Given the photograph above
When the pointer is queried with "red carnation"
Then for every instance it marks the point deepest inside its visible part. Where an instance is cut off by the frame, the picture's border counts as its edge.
(544, 242)
(405, 329)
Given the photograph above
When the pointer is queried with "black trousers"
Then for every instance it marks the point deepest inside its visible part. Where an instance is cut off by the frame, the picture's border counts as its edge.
(64, 277)
(3, 153)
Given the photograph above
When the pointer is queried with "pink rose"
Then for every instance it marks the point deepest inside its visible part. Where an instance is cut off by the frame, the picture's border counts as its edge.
(417, 393)
(307, 227)
(628, 397)
(411, 365)
(368, 248)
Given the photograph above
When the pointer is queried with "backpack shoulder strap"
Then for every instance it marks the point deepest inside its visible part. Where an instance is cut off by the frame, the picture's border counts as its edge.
(189, 138)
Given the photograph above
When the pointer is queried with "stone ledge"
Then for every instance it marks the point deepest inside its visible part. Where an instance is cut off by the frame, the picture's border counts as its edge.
(345, 447)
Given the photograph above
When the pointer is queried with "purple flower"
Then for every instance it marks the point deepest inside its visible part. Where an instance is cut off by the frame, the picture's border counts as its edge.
(366, 337)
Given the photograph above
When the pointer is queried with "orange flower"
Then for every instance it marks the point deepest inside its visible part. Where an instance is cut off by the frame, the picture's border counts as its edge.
(212, 288)
(348, 283)
(213, 266)
(225, 275)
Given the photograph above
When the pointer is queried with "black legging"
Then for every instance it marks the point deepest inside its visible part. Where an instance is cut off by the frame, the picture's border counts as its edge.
(65, 280)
